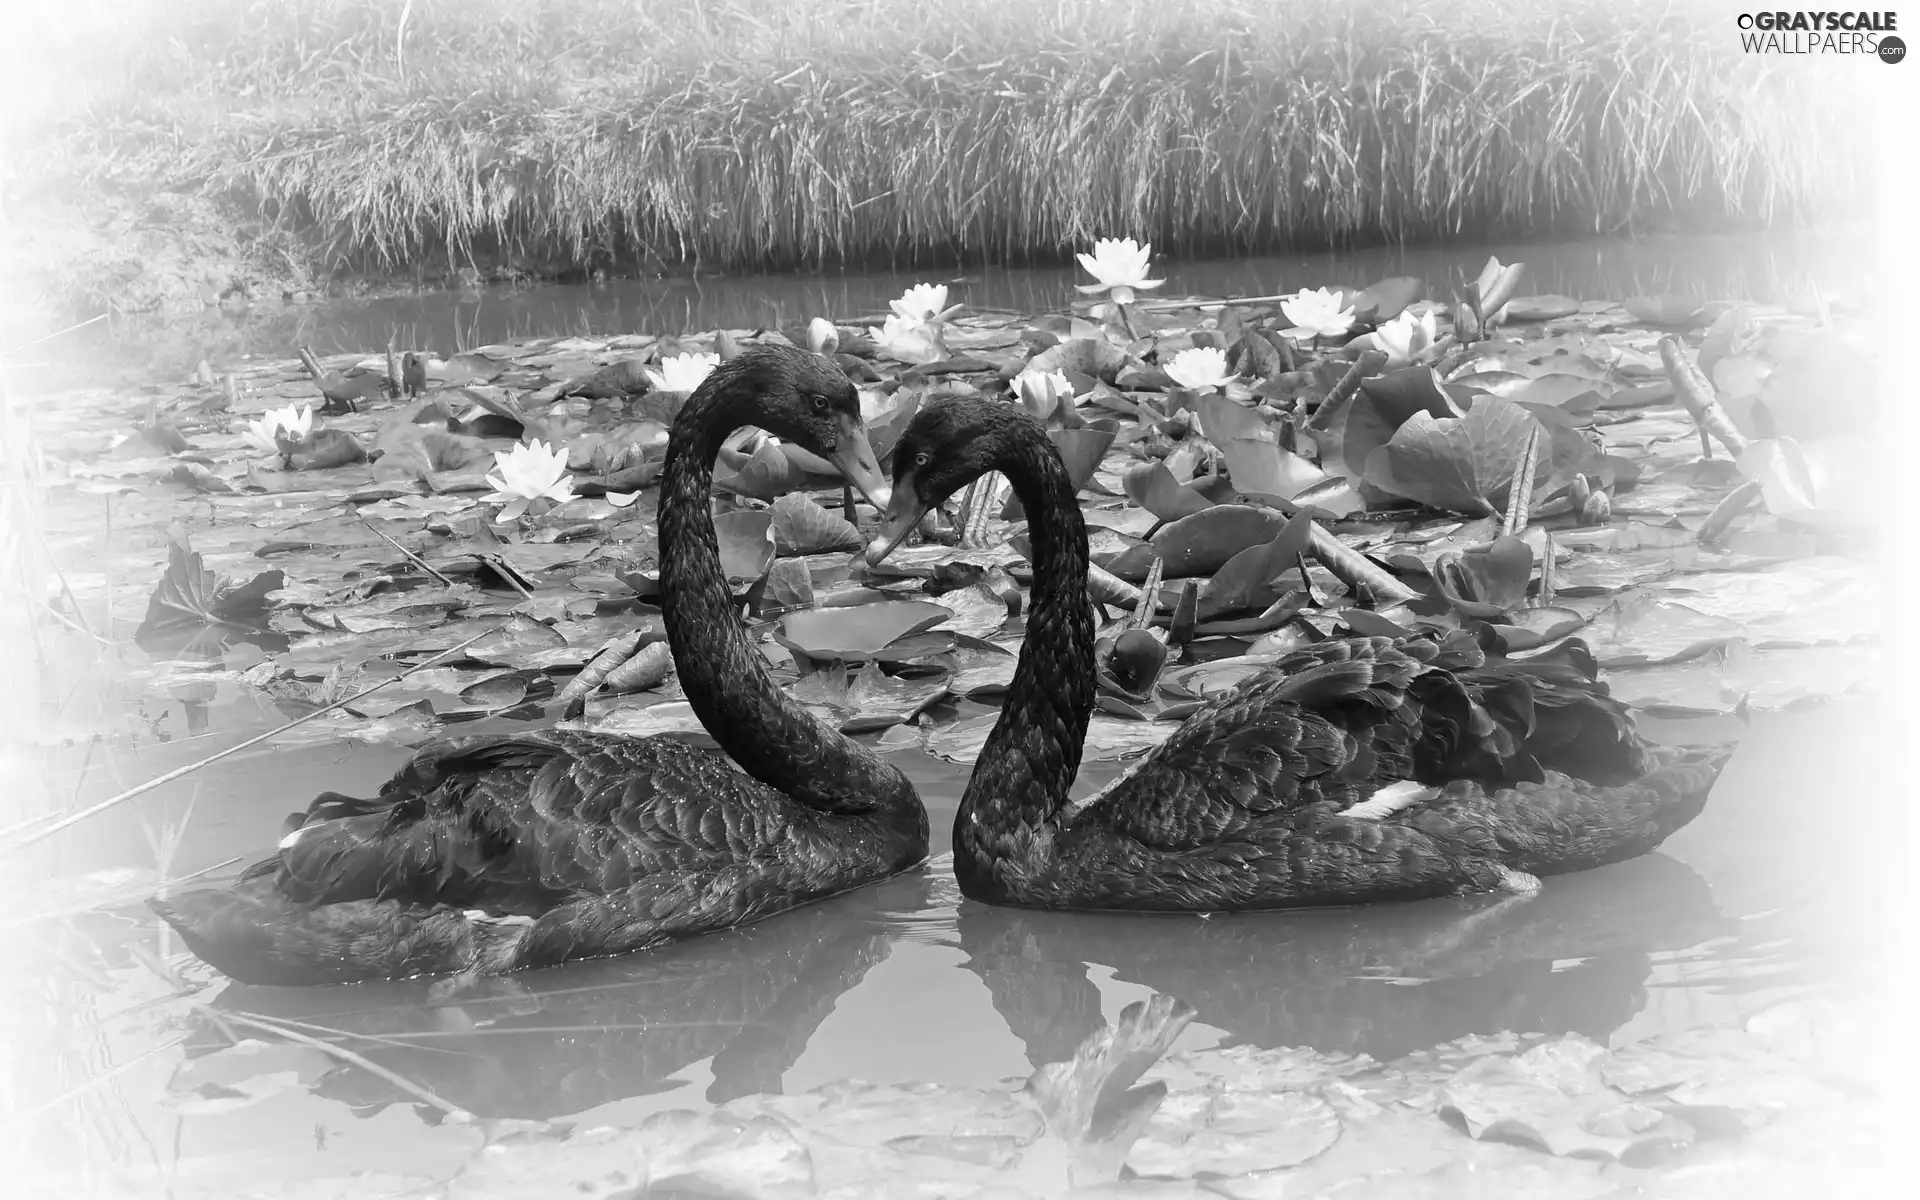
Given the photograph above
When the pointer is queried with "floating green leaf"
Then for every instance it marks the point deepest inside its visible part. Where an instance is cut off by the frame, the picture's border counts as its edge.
(188, 594)
(857, 633)
(1154, 488)
(802, 527)
(746, 544)
(1541, 308)
(1201, 544)
(1677, 312)
(1462, 464)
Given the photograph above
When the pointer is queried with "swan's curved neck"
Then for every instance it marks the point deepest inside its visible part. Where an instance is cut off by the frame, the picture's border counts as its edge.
(723, 674)
(1029, 761)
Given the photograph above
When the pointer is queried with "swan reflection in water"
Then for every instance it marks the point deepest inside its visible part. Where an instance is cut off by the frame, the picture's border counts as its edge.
(552, 1043)
(1577, 958)
(1383, 980)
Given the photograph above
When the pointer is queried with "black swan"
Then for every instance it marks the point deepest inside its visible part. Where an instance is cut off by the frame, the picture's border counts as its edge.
(1355, 771)
(491, 854)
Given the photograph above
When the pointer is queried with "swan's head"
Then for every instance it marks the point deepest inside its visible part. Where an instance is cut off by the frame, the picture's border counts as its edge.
(806, 399)
(948, 444)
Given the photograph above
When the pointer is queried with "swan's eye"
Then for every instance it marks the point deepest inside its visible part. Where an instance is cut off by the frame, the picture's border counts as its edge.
(819, 404)
(922, 459)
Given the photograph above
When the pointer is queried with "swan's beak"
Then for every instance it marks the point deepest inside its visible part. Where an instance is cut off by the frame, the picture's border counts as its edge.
(901, 518)
(853, 454)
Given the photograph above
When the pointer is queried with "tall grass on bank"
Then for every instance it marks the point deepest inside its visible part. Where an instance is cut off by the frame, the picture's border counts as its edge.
(742, 132)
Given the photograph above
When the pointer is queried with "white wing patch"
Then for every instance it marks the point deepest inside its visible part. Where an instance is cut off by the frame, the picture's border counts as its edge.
(1389, 800)
(482, 917)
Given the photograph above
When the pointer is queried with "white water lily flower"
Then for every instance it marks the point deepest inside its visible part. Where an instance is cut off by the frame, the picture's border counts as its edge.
(1317, 313)
(682, 372)
(297, 422)
(527, 473)
(822, 337)
(909, 340)
(921, 303)
(1405, 338)
(1120, 265)
(1200, 368)
(1043, 391)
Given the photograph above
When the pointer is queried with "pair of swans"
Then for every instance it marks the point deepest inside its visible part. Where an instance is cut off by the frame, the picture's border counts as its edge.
(1360, 770)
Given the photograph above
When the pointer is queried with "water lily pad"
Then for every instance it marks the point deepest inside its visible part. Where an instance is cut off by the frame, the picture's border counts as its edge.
(1154, 488)
(1234, 1132)
(1380, 302)
(1676, 312)
(1568, 451)
(1638, 630)
(764, 475)
(1541, 308)
(403, 725)
(1082, 450)
(857, 633)
(746, 544)
(986, 679)
(1087, 356)
(1531, 628)
(1400, 394)
(978, 611)
(790, 584)
(1485, 581)
(1246, 580)
(868, 699)
(516, 637)
(1348, 433)
(802, 527)
(1365, 623)
(1209, 680)
(638, 716)
(1571, 392)
(1462, 464)
(1532, 1098)
(503, 690)
(1599, 574)
(1260, 466)
(1202, 543)
(1493, 380)
(471, 368)
(188, 594)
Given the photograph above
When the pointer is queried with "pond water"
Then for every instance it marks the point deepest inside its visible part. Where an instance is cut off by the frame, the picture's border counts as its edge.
(1757, 900)
(1776, 267)
(1760, 898)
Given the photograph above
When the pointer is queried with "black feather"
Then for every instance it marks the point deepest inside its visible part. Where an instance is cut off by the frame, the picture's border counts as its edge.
(490, 854)
(1244, 806)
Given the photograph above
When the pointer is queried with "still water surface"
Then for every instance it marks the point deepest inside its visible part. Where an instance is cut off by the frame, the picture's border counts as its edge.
(1760, 898)
(1757, 900)
(1779, 267)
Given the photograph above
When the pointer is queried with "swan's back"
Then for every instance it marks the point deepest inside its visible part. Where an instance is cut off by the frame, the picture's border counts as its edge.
(494, 853)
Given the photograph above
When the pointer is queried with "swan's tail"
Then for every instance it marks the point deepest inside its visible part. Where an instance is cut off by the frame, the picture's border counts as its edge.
(1565, 824)
(1682, 778)
(254, 934)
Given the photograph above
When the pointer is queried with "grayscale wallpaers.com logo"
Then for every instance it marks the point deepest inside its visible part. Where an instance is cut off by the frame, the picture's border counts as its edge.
(1863, 33)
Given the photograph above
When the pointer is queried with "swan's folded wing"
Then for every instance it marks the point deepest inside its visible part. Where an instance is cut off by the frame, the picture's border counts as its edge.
(516, 823)
(1285, 740)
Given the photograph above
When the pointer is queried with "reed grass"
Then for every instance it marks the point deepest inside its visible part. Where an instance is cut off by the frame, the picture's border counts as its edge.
(738, 133)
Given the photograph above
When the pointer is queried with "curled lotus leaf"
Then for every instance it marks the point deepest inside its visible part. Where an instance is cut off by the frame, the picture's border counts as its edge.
(858, 632)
